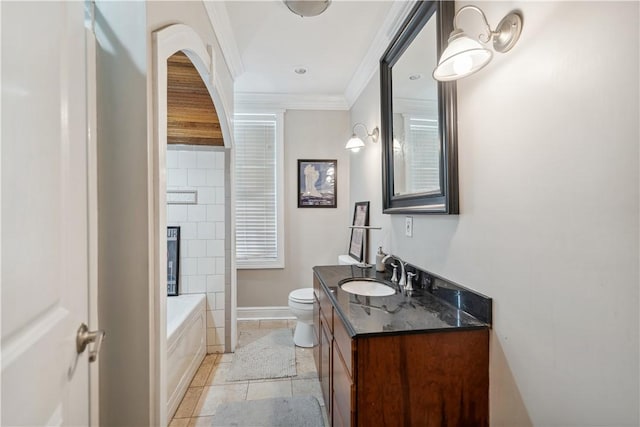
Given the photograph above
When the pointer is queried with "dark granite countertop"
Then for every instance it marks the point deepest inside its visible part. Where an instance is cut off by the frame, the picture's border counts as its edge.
(421, 311)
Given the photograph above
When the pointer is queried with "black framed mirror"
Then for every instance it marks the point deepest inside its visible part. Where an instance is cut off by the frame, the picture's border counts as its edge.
(419, 124)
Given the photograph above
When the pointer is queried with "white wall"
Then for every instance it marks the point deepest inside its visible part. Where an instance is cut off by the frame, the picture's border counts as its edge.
(548, 224)
(365, 171)
(123, 294)
(313, 236)
(202, 231)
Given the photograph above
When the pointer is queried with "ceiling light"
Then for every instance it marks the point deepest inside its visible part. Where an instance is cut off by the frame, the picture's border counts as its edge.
(307, 7)
(464, 55)
(300, 70)
(355, 143)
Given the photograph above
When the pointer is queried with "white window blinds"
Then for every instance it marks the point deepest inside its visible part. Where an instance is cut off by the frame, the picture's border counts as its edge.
(423, 156)
(258, 154)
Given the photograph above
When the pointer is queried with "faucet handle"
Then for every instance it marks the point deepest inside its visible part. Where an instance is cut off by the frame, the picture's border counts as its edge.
(410, 277)
(394, 276)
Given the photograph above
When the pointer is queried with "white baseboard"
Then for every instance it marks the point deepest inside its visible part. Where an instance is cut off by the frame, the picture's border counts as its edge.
(264, 313)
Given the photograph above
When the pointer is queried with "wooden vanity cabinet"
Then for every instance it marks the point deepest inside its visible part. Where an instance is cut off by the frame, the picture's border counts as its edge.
(427, 379)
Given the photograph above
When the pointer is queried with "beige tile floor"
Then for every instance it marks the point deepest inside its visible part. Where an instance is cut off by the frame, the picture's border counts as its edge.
(209, 386)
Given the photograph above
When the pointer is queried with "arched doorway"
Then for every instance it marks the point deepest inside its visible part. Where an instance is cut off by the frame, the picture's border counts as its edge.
(175, 44)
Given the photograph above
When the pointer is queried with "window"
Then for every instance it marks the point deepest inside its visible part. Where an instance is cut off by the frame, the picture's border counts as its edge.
(259, 190)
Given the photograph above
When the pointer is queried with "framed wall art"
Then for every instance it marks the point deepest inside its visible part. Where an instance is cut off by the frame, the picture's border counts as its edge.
(173, 260)
(360, 218)
(317, 183)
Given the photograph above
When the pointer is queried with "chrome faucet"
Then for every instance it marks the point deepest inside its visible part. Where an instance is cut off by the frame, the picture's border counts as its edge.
(403, 277)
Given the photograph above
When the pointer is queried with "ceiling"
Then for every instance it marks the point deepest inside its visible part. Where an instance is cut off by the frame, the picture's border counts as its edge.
(412, 73)
(264, 42)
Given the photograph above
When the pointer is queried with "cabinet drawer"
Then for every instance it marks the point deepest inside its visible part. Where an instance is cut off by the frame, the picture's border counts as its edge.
(316, 287)
(326, 308)
(343, 341)
(343, 390)
(326, 318)
(316, 318)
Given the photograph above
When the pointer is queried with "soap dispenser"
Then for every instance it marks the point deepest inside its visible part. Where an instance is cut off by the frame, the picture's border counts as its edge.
(379, 257)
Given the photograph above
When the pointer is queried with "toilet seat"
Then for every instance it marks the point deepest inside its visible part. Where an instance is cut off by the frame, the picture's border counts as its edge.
(302, 296)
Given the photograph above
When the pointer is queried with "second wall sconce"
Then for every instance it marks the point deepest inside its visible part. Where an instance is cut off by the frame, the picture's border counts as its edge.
(464, 55)
(355, 143)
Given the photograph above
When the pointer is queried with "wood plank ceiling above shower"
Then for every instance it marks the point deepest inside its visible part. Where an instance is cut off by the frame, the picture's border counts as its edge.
(191, 116)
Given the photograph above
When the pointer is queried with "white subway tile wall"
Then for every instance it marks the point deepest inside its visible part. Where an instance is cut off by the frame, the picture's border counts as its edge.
(202, 232)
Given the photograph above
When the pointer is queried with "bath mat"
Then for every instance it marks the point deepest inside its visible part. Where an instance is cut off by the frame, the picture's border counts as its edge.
(299, 411)
(260, 356)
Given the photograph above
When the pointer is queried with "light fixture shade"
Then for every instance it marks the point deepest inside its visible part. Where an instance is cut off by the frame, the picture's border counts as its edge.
(463, 56)
(354, 144)
(397, 146)
(307, 7)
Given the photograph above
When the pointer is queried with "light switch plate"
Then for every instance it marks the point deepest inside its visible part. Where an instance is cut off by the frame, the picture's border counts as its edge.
(408, 226)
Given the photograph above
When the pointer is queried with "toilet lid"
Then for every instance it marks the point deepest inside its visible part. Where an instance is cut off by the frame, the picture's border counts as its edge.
(303, 295)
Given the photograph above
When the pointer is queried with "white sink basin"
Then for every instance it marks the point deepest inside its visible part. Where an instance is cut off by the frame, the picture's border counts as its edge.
(368, 288)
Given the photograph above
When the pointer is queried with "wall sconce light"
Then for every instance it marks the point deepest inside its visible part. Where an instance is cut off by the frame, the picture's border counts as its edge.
(464, 55)
(397, 145)
(355, 143)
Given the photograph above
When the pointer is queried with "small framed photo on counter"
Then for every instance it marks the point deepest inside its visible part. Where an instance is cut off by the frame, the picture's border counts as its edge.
(173, 260)
(360, 218)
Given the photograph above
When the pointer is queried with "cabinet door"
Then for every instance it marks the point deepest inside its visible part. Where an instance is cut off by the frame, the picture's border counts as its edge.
(342, 390)
(325, 364)
(336, 419)
(446, 372)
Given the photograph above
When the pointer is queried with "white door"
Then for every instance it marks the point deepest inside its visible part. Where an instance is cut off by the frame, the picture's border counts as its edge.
(44, 214)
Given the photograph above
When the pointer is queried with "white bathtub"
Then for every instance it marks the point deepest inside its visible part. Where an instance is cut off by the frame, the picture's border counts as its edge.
(186, 344)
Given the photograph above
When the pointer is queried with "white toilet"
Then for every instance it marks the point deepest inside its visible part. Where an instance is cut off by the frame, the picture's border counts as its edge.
(301, 305)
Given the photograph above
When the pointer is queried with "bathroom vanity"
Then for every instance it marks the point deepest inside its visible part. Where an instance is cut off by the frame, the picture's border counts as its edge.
(419, 359)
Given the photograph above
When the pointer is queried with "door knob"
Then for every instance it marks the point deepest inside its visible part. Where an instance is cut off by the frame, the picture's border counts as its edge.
(85, 336)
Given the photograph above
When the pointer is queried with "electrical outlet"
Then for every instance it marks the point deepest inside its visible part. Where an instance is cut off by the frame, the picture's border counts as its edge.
(408, 226)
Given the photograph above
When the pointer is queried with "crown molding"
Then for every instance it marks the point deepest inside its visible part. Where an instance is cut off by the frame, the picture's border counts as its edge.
(369, 65)
(221, 24)
(251, 101)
